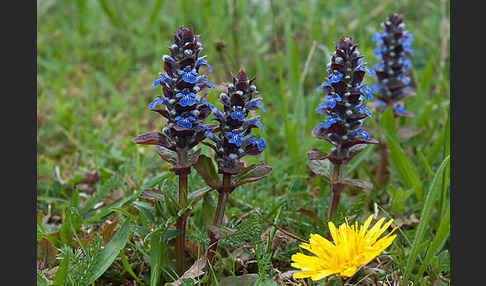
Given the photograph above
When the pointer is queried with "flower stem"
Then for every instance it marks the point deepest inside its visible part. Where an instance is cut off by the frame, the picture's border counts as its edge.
(336, 188)
(223, 195)
(380, 173)
(222, 200)
(181, 225)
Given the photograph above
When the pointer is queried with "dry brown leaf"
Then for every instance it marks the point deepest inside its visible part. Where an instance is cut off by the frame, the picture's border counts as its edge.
(47, 251)
(193, 249)
(108, 231)
(197, 269)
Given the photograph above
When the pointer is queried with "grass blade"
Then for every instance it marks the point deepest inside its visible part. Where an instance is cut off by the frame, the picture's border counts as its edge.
(109, 13)
(389, 124)
(110, 252)
(61, 273)
(155, 256)
(432, 195)
(404, 166)
(439, 240)
(155, 11)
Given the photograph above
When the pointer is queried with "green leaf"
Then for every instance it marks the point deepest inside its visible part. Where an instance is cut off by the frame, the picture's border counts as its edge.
(156, 254)
(321, 168)
(205, 167)
(425, 79)
(155, 10)
(159, 178)
(128, 268)
(109, 13)
(250, 174)
(41, 280)
(61, 273)
(404, 167)
(440, 143)
(439, 240)
(166, 154)
(357, 159)
(424, 116)
(432, 195)
(146, 210)
(389, 124)
(111, 184)
(240, 280)
(71, 221)
(195, 196)
(106, 257)
(101, 213)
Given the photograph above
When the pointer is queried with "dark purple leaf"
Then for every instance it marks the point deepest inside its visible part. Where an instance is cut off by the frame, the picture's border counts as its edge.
(363, 184)
(251, 173)
(205, 168)
(316, 155)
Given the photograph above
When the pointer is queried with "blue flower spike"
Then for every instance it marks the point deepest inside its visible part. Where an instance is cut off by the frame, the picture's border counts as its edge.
(393, 71)
(344, 105)
(234, 138)
(180, 105)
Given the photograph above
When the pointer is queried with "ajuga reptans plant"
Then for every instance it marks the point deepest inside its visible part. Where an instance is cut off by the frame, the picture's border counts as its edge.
(345, 110)
(184, 111)
(393, 71)
(232, 140)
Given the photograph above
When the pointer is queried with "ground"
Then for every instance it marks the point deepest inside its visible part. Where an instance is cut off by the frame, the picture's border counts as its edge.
(96, 61)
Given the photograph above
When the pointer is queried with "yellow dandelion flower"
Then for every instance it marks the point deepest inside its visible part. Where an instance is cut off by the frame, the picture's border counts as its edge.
(353, 247)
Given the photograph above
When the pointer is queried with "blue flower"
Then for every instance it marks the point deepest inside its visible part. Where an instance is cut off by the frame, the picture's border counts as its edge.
(157, 101)
(321, 125)
(399, 109)
(362, 68)
(260, 143)
(376, 87)
(203, 79)
(361, 133)
(380, 103)
(212, 136)
(254, 104)
(162, 79)
(331, 119)
(255, 121)
(367, 92)
(204, 102)
(235, 138)
(379, 50)
(329, 102)
(188, 74)
(185, 122)
(321, 108)
(217, 113)
(364, 109)
(407, 36)
(238, 113)
(202, 61)
(405, 80)
(201, 127)
(377, 37)
(187, 98)
(324, 84)
(405, 62)
(335, 77)
(378, 67)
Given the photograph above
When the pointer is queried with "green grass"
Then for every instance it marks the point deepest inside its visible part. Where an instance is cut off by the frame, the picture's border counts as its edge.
(96, 62)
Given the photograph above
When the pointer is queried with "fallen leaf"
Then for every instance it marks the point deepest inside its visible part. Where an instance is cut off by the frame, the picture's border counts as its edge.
(242, 280)
(197, 269)
(47, 251)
